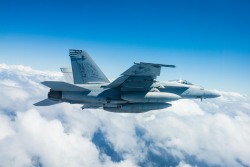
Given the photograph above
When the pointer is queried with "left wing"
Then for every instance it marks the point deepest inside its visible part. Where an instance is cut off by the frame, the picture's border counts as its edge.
(139, 77)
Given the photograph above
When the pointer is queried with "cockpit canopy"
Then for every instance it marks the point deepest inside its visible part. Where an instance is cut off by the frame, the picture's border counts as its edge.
(183, 82)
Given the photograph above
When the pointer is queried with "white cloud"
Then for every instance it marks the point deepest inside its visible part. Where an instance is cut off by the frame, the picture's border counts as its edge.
(183, 164)
(190, 133)
(5, 127)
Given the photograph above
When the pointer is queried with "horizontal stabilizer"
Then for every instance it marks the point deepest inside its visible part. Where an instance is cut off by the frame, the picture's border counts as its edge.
(63, 86)
(46, 102)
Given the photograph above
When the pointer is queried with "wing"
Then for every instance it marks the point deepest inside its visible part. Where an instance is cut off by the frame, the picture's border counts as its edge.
(139, 77)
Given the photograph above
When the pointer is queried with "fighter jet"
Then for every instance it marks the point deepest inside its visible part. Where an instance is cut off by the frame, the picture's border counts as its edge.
(134, 91)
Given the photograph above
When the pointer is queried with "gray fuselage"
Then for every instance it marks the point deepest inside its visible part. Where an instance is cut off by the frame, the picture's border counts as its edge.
(113, 99)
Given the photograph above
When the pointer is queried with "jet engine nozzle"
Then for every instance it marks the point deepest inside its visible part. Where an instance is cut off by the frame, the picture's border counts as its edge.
(55, 95)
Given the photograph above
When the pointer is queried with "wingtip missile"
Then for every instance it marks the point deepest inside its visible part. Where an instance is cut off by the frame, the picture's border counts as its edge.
(155, 64)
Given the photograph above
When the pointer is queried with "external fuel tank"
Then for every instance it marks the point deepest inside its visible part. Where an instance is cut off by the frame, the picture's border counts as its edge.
(137, 107)
(149, 97)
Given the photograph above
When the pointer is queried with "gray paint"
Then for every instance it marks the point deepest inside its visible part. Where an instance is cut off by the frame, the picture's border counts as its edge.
(85, 69)
(135, 91)
(68, 76)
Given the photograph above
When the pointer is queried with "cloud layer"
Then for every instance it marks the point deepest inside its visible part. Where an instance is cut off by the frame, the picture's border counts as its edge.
(215, 132)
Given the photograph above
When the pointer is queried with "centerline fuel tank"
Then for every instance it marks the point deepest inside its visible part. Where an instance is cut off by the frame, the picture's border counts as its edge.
(136, 107)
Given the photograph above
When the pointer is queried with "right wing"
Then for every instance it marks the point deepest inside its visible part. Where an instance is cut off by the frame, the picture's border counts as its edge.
(139, 77)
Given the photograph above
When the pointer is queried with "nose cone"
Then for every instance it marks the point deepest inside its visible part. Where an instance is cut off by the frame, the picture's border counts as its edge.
(211, 94)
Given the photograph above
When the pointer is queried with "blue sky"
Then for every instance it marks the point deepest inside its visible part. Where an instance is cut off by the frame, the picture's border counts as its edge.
(208, 41)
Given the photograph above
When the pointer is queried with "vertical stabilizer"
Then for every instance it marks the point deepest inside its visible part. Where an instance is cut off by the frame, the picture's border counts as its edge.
(85, 69)
(67, 73)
